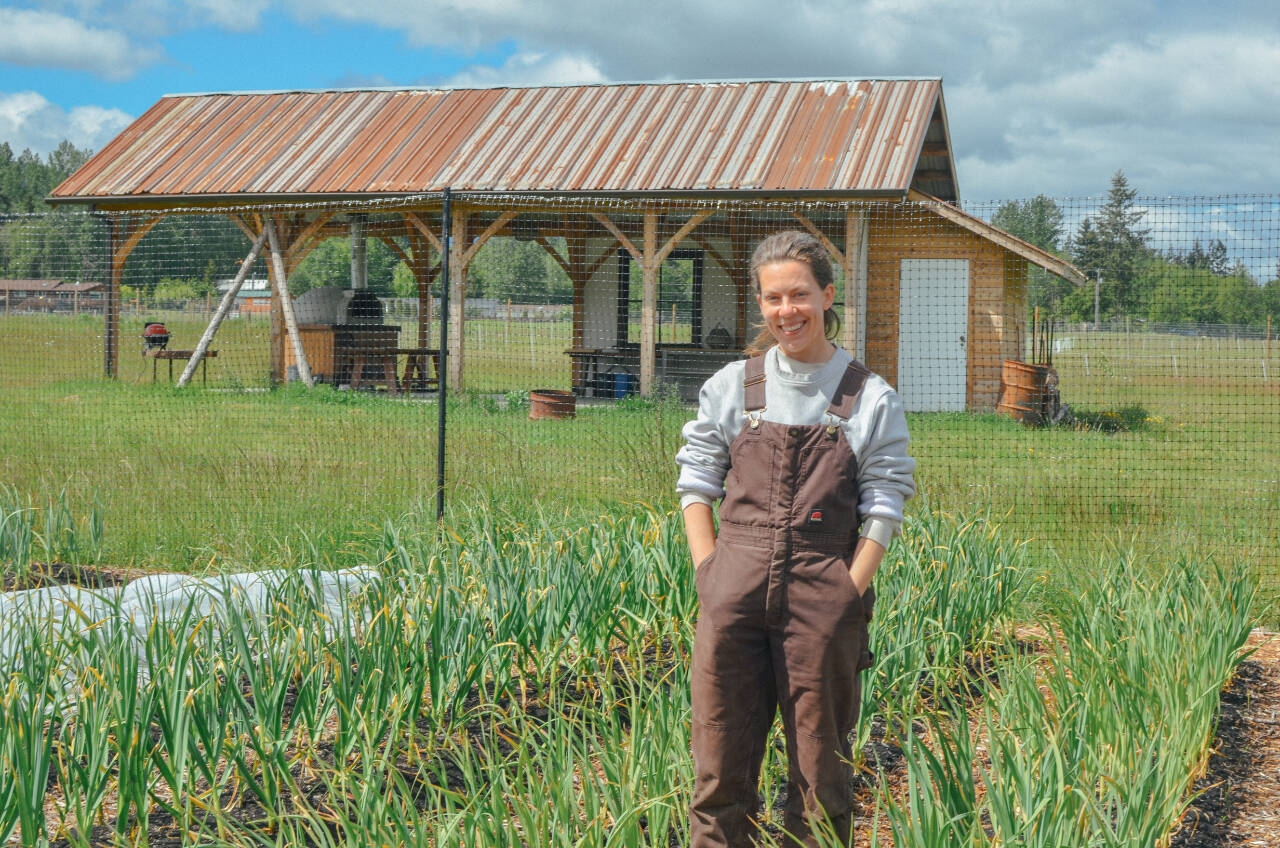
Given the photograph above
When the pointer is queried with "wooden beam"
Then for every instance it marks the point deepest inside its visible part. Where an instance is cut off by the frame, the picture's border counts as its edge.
(489, 232)
(307, 232)
(123, 239)
(300, 254)
(935, 149)
(421, 226)
(120, 254)
(423, 275)
(635, 252)
(286, 306)
(932, 175)
(110, 310)
(575, 265)
(649, 305)
(688, 227)
(228, 300)
(713, 253)
(741, 273)
(245, 227)
(836, 253)
(395, 248)
(555, 254)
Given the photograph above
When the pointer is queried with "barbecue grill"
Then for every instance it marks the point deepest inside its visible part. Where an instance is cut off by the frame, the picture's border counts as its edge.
(154, 336)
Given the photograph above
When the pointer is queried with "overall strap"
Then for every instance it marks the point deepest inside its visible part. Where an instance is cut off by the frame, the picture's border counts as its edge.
(846, 394)
(753, 385)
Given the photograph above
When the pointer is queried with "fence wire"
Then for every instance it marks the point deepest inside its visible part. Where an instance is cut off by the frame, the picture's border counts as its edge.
(1090, 373)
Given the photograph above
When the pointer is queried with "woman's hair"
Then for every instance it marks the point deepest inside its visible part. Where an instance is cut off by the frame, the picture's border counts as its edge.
(802, 247)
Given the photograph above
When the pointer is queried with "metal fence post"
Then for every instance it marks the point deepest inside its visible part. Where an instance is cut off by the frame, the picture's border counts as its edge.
(442, 373)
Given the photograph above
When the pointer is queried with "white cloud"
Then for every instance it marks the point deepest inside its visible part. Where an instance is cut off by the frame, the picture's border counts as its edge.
(32, 38)
(530, 69)
(164, 17)
(1195, 113)
(27, 119)
(1051, 96)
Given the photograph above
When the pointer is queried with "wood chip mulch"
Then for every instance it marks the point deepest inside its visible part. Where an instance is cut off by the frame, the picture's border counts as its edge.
(1239, 800)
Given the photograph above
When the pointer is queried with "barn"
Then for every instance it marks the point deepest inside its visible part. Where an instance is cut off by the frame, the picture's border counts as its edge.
(614, 181)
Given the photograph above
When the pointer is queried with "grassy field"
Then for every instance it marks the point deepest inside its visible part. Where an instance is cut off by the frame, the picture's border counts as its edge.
(1177, 464)
(1052, 630)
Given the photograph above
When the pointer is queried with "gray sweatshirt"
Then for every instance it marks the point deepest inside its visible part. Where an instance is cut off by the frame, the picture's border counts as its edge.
(799, 393)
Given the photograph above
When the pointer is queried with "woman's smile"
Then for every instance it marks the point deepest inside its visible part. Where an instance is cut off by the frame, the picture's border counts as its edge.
(792, 304)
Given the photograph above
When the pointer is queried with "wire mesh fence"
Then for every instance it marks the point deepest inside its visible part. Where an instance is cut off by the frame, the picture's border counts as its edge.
(1089, 373)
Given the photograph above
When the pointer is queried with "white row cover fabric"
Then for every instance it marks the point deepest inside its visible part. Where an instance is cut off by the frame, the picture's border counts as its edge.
(62, 613)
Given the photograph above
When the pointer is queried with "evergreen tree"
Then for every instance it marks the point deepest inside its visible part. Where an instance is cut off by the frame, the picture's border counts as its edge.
(1114, 244)
(1037, 221)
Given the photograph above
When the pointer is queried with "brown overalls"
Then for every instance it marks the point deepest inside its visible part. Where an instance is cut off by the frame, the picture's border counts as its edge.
(782, 625)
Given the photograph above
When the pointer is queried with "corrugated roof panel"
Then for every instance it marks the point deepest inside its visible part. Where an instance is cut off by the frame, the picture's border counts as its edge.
(592, 114)
(239, 157)
(754, 118)
(773, 128)
(418, 154)
(809, 135)
(614, 147)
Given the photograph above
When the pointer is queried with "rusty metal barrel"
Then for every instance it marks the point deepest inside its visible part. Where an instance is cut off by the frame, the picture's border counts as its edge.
(1023, 393)
(552, 403)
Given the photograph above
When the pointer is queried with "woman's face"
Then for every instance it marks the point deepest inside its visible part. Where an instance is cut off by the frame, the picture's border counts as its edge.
(792, 304)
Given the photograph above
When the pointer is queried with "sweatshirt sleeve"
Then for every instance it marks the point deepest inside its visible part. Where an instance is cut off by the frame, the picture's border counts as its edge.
(704, 457)
(885, 470)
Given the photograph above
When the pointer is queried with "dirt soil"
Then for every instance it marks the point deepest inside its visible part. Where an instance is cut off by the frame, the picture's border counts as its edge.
(1239, 801)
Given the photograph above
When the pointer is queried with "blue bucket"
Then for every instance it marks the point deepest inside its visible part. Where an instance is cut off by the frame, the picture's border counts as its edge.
(624, 384)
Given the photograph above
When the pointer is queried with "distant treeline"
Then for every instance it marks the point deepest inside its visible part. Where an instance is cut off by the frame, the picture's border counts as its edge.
(183, 257)
(1198, 283)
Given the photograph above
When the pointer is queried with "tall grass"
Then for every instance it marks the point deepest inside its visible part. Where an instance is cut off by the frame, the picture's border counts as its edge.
(1097, 741)
(523, 679)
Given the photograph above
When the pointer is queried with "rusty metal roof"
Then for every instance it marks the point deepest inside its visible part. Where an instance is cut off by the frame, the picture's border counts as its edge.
(29, 285)
(833, 137)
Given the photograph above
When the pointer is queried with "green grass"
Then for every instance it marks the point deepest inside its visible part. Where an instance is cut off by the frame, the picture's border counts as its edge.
(1188, 468)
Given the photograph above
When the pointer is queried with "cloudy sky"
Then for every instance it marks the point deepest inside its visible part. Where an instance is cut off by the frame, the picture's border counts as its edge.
(1042, 96)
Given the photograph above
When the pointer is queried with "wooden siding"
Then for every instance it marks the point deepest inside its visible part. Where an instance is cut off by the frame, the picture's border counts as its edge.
(904, 233)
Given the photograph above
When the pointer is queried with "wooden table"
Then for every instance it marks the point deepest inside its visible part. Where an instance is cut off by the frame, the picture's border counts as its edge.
(184, 355)
(416, 376)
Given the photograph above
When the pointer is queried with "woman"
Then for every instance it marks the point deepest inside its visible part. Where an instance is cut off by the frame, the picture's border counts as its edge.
(808, 449)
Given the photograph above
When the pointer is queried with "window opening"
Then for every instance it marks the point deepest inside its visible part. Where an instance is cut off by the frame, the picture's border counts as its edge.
(679, 299)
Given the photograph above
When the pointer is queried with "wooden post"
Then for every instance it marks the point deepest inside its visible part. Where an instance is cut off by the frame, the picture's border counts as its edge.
(464, 253)
(286, 305)
(359, 248)
(457, 283)
(228, 300)
(1268, 334)
(75, 303)
(649, 304)
(111, 309)
(741, 274)
(855, 283)
(421, 239)
(276, 332)
(6, 303)
(575, 244)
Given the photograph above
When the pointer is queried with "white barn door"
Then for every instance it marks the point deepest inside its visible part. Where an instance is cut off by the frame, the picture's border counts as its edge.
(933, 326)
